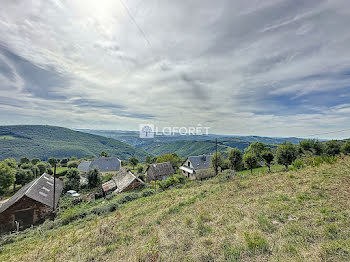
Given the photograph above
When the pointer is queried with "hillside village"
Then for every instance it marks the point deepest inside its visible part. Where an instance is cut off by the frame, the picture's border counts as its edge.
(33, 196)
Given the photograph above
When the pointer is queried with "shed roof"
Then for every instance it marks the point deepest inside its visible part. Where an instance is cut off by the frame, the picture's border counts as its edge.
(160, 169)
(200, 162)
(124, 178)
(40, 189)
(104, 164)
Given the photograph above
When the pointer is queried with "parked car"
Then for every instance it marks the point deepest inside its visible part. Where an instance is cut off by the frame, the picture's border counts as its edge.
(73, 193)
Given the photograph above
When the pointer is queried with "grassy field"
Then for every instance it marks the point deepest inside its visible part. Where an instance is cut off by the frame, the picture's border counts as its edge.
(301, 215)
(264, 169)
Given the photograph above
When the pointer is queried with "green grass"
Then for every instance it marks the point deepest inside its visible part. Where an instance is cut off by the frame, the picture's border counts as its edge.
(299, 215)
(60, 169)
(7, 137)
(264, 169)
(50, 141)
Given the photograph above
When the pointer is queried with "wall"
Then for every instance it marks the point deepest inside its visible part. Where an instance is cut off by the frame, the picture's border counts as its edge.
(7, 218)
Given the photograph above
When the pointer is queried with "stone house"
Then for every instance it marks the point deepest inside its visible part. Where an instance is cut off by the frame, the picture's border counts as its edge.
(197, 167)
(31, 205)
(159, 171)
(123, 181)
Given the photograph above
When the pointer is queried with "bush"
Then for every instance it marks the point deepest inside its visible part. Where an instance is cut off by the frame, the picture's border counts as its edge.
(127, 198)
(147, 193)
(226, 175)
(72, 164)
(171, 181)
(346, 148)
(332, 148)
(107, 177)
(297, 164)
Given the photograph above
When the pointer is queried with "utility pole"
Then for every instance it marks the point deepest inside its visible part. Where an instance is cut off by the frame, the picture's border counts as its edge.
(216, 157)
(54, 191)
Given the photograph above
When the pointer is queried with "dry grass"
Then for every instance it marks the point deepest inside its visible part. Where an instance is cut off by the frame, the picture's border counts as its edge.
(286, 216)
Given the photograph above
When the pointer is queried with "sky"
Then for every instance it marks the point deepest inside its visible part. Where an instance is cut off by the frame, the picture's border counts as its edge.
(268, 68)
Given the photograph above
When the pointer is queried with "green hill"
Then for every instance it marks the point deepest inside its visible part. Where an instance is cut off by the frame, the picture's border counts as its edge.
(300, 215)
(51, 141)
(183, 148)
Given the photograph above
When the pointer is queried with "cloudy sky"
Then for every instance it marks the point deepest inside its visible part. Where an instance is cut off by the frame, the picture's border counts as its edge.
(273, 68)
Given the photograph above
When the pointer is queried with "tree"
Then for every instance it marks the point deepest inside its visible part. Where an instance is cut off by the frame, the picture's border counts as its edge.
(64, 161)
(133, 161)
(42, 168)
(173, 158)
(11, 162)
(148, 160)
(216, 161)
(7, 177)
(104, 154)
(24, 160)
(307, 145)
(73, 177)
(318, 148)
(346, 148)
(154, 160)
(35, 170)
(256, 148)
(332, 148)
(53, 161)
(235, 158)
(250, 161)
(139, 169)
(94, 177)
(24, 176)
(268, 158)
(286, 154)
(73, 164)
(35, 161)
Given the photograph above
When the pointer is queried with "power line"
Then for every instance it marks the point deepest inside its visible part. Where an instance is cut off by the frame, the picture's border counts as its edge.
(137, 25)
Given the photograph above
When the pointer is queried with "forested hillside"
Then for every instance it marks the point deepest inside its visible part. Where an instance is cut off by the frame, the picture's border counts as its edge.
(51, 141)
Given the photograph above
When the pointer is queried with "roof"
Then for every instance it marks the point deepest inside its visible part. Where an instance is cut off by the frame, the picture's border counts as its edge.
(160, 169)
(104, 164)
(200, 162)
(109, 185)
(124, 178)
(39, 190)
(84, 166)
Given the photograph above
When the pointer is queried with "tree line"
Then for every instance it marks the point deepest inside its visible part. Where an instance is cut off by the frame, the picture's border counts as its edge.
(258, 154)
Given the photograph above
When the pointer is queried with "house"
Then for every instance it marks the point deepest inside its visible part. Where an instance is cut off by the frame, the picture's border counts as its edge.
(197, 167)
(159, 171)
(125, 180)
(32, 204)
(104, 164)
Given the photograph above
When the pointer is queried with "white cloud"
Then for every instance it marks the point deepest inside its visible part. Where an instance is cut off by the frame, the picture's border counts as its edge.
(240, 67)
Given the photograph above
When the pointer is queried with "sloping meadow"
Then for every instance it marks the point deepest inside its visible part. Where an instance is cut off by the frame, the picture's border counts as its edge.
(300, 215)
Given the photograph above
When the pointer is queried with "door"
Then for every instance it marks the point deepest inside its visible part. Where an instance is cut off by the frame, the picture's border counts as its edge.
(25, 218)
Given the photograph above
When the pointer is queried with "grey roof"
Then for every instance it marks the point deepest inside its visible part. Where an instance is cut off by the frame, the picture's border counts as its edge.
(40, 189)
(200, 162)
(84, 166)
(104, 164)
(124, 178)
(160, 169)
